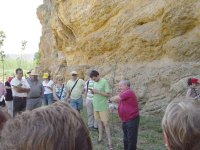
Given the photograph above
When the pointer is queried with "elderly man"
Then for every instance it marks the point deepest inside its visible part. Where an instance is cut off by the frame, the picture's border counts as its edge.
(20, 89)
(76, 88)
(129, 114)
(34, 99)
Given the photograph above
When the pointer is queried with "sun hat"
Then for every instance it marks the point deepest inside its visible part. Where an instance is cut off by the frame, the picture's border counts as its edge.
(74, 72)
(45, 75)
(34, 73)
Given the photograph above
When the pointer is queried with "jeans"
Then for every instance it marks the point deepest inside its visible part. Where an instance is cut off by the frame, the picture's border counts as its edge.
(130, 130)
(48, 99)
(77, 103)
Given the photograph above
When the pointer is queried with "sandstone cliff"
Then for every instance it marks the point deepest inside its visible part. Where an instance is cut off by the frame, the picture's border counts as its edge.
(154, 43)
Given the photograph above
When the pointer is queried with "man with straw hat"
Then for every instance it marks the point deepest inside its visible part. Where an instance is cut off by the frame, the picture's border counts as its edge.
(34, 99)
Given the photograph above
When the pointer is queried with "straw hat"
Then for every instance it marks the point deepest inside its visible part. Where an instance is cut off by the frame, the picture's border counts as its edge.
(34, 73)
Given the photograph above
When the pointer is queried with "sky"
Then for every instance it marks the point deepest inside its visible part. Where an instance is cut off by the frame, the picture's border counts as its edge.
(18, 20)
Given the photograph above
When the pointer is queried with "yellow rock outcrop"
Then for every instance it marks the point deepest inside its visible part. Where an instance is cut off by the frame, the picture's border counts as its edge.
(154, 43)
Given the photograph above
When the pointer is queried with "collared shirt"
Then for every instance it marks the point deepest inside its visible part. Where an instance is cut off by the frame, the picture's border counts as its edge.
(2, 89)
(36, 88)
(128, 105)
(23, 83)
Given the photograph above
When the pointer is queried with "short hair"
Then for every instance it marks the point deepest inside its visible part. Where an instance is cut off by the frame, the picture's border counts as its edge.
(181, 124)
(94, 73)
(17, 70)
(126, 82)
(57, 126)
(58, 77)
(189, 81)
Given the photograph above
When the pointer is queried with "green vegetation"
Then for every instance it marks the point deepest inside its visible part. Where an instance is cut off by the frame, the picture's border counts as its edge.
(150, 134)
(11, 64)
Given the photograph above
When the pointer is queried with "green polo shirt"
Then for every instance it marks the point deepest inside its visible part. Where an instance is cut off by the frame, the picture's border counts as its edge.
(101, 102)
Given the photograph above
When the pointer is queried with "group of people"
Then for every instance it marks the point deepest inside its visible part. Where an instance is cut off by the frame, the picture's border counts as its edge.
(61, 126)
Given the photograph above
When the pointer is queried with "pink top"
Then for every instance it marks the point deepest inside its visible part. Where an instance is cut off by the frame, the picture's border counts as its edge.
(2, 89)
(128, 105)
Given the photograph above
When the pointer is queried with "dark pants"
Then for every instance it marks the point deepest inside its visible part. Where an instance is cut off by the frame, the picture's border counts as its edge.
(19, 105)
(130, 130)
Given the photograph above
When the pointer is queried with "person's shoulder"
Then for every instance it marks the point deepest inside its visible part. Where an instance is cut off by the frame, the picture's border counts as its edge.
(14, 80)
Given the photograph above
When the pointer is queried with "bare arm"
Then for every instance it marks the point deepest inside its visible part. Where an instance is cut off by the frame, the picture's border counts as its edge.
(95, 91)
(115, 99)
(21, 89)
(54, 93)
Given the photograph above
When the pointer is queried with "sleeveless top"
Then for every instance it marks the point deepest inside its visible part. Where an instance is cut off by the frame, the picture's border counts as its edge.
(58, 91)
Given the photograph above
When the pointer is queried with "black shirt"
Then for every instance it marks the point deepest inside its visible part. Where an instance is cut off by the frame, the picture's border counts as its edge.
(8, 96)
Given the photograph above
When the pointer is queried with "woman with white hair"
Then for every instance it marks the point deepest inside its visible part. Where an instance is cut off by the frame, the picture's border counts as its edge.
(181, 125)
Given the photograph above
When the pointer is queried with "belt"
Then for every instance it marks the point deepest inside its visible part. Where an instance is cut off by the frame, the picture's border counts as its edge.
(16, 97)
(33, 97)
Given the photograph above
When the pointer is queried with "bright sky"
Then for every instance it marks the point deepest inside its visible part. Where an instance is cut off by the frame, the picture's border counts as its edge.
(19, 22)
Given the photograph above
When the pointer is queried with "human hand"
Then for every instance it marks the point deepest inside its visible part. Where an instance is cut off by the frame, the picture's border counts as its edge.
(95, 91)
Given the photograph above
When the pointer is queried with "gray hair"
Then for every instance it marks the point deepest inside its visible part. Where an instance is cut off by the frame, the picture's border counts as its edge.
(126, 82)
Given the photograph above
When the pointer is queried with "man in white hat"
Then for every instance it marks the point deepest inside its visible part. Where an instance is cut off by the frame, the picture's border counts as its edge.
(75, 88)
(35, 96)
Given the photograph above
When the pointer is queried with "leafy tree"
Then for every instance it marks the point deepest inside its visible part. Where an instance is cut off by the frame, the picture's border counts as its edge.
(2, 55)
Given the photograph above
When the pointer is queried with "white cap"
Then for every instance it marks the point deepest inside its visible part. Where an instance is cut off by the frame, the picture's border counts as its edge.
(73, 72)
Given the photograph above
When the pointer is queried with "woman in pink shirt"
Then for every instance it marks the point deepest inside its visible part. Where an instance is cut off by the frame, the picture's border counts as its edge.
(129, 113)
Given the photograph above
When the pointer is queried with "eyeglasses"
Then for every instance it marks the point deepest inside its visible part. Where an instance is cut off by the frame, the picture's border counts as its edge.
(74, 74)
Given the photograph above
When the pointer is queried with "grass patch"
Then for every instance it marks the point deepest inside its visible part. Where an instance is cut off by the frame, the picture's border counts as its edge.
(150, 134)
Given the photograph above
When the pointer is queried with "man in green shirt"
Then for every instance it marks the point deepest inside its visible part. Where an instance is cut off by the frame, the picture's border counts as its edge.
(101, 93)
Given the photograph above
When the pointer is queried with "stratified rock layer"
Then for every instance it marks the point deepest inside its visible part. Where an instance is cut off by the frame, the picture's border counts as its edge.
(154, 43)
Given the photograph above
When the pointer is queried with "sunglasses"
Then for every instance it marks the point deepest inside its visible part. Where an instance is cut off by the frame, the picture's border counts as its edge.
(74, 74)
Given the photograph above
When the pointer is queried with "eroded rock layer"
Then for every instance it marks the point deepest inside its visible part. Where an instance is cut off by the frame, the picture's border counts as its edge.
(154, 43)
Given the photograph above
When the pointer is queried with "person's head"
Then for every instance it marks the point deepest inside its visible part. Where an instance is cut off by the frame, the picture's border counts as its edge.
(46, 76)
(29, 72)
(19, 73)
(94, 75)
(34, 75)
(124, 85)
(74, 75)
(181, 125)
(9, 79)
(54, 127)
(193, 82)
(59, 79)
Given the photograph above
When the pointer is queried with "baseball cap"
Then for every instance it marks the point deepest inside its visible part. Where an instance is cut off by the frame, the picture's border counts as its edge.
(195, 80)
(73, 72)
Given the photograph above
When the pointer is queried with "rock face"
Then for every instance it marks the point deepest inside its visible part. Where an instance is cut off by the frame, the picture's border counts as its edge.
(156, 44)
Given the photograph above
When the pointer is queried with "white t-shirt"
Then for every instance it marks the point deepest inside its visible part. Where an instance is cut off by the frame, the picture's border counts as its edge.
(46, 85)
(22, 83)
